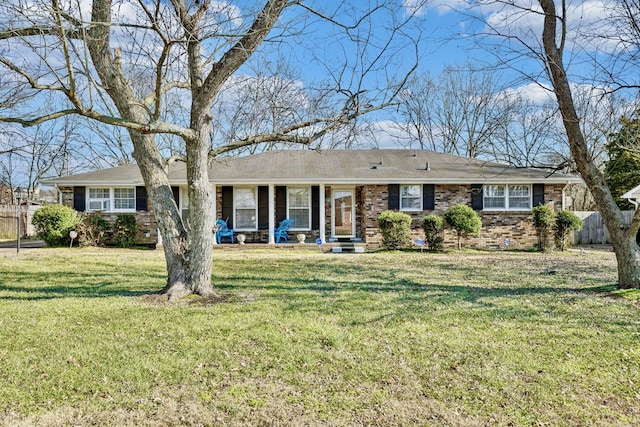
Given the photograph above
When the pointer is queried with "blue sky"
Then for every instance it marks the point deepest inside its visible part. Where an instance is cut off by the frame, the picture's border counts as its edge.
(447, 30)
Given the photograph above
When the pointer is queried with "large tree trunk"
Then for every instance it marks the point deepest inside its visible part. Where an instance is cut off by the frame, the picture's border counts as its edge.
(623, 237)
(167, 213)
(188, 252)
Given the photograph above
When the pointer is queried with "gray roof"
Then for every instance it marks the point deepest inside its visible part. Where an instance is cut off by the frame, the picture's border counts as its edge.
(336, 167)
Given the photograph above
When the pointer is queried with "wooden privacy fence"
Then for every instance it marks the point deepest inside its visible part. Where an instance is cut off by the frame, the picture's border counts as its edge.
(594, 231)
(9, 221)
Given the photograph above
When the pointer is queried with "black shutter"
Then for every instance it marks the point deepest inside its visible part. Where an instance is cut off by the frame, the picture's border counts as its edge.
(141, 198)
(476, 197)
(394, 197)
(315, 207)
(281, 203)
(227, 205)
(538, 194)
(176, 195)
(428, 197)
(263, 207)
(79, 198)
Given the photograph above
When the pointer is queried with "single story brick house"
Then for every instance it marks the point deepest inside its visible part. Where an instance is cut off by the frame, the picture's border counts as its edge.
(337, 194)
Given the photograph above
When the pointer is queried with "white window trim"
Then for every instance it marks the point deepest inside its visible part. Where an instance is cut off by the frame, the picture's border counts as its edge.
(111, 200)
(255, 191)
(88, 199)
(507, 208)
(420, 197)
(293, 228)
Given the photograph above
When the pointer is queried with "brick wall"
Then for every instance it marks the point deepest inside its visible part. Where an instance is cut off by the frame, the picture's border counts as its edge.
(497, 227)
(146, 219)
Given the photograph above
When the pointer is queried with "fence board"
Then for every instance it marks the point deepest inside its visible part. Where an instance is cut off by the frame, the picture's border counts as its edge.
(594, 231)
(9, 222)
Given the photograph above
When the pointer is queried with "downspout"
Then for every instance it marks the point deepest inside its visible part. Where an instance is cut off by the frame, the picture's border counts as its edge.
(564, 204)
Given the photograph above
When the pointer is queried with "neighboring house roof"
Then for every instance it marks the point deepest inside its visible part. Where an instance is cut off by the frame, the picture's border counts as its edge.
(632, 195)
(373, 166)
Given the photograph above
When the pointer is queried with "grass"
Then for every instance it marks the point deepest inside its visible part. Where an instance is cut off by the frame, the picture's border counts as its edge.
(305, 338)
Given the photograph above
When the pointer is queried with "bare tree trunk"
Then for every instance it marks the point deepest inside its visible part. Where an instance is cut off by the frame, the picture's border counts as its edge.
(167, 214)
(623, 237)
(188, 255)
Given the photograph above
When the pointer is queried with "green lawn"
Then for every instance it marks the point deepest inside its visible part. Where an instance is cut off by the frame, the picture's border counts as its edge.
(308, 338)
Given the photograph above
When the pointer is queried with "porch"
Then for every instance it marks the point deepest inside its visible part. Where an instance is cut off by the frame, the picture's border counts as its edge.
(332, 246)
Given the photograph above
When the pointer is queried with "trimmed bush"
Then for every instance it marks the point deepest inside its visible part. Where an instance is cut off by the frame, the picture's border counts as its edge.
(395, 228)
(92, 230)
(125, 230)
(543, 220)
(433, 225)
(463, 220)
(53, 224)
(566, 222)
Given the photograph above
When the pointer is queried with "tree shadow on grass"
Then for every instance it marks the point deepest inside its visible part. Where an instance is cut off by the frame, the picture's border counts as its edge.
(25, 286)
(403, 297)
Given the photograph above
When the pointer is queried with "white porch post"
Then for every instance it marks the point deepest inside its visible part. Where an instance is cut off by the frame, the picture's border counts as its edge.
(322, 215)
(214, 199)
(272, 214)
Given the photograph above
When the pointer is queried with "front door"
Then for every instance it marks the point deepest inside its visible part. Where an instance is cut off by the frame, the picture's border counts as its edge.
(343, 213)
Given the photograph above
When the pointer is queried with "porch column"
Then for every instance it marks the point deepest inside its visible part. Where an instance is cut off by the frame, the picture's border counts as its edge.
(272, 214)
(322, 215)
(214, 204)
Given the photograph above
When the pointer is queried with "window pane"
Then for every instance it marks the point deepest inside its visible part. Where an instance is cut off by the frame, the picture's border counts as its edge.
(245, 219)
(245, 198)
(518, 191)
(494, 197)
(519, 202)
(493, 190)
(299, 218)
(410, 190)
(245, 202)
(494, 202)
(519, 197)
(411, 197)
(98, 193)
(298, 197)
(124, 198)
(411, 203)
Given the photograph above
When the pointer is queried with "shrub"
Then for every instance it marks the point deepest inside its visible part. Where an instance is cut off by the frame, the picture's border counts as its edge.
(433, 226)
(125, 230)
(395, 228)
(566, 222)
(464, 220)
(543, 220)
(54, 222)
(92, 230)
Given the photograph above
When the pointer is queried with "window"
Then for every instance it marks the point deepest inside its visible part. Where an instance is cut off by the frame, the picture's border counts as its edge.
(245, 203)
(124, 199)
(507, 197)
(111, 199)
(494, 197)
(299, 208)
(99, 199)
(410, 197)
(519, 197)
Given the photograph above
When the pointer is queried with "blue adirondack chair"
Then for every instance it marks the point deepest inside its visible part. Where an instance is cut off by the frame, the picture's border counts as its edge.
(281, 231)
(223, 230)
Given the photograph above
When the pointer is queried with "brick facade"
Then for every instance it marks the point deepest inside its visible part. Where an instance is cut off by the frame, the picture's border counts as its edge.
(371, 200)
(147, 226)
(516, 226)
